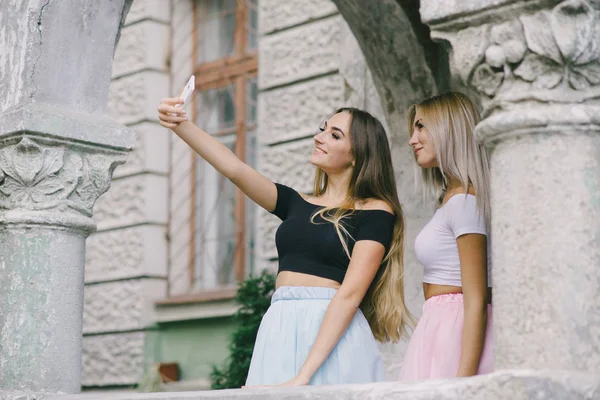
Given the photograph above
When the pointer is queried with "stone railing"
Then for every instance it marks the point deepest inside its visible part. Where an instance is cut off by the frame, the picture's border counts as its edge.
(514, 385)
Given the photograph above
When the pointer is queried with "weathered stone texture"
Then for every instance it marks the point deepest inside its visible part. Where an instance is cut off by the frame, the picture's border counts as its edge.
(126, 253)
(16, 62)
(38, 58)
(116, 359)
(553, 243)
(133, 99)
(133, 200)
(299, 53)
(114, 254)
(275, 15)
(150, 153)
(157, 10)
(433, 10)
(41, 273)
(358, 86)
(142, 46)
(296, 111)
(120, 306)
(112, 306)
(289, 164)
(510, 384)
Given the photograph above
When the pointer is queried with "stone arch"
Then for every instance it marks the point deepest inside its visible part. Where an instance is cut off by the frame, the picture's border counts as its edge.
(406, 64)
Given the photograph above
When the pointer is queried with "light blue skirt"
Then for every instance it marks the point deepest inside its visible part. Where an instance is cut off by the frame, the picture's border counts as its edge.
(288, 331)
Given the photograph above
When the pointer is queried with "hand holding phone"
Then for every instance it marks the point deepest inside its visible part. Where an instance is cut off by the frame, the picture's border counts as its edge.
(187, 91)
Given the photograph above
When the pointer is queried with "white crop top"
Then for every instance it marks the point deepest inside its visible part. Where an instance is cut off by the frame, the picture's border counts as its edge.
(436, 246)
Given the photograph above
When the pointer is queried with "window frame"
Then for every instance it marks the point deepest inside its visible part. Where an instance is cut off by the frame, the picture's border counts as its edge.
(238, 69)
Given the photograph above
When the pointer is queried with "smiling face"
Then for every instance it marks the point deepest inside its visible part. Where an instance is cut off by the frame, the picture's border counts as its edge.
(333, 147)
(421, 143)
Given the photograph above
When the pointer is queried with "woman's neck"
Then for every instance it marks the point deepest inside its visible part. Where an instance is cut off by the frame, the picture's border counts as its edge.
(455, 185)
(337, 189)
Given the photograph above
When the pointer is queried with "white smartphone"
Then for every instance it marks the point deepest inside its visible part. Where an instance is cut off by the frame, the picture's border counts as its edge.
(187, 91)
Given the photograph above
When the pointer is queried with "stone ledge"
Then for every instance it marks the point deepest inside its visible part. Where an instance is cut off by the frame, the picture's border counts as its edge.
(451, 14)
(501, 385)
(195, 310)
(97, 130)
(276, 14)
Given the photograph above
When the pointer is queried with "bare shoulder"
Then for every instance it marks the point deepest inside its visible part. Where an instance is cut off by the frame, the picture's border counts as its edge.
(376, 204)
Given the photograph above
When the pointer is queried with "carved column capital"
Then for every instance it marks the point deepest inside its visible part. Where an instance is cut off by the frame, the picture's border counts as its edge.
(52, 182)
(533, 65)
(55, 165)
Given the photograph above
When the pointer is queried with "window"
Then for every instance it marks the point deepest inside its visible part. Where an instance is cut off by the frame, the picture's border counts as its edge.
(225, 106)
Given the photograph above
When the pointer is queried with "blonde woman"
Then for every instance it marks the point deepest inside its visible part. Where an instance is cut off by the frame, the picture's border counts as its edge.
(453, 336)
(338, 249)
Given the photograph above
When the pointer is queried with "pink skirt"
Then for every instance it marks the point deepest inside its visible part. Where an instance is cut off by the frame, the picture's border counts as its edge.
(435, 347)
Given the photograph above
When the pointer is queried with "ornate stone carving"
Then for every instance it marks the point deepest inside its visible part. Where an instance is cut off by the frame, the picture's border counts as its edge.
(39, 174)
(548, 56)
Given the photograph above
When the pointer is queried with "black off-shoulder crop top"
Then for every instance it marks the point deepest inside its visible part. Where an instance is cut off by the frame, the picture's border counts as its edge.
(315, 248)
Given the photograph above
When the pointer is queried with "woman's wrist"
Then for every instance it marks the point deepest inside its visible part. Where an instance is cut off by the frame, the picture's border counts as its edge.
(463, 372)
(304, 377)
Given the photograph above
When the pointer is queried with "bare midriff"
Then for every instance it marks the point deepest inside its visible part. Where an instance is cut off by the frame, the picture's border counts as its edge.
(289, 278)
(431, 290)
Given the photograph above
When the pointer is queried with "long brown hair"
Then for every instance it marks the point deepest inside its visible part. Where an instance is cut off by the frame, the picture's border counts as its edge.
(373, 178)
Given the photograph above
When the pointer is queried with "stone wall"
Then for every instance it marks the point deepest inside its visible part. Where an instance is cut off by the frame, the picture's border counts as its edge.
(126, 258)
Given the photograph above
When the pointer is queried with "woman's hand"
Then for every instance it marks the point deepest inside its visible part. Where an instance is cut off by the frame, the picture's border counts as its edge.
(297, 381)
(169, 115)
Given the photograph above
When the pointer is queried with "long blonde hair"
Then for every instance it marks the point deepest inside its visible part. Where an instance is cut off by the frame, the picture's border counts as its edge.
(373, 178)
(450, 119)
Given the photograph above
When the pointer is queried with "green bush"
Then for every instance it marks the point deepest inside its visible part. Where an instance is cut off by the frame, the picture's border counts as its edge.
(254, 296)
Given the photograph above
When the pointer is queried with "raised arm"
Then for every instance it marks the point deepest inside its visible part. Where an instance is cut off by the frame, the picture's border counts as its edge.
(257, 187)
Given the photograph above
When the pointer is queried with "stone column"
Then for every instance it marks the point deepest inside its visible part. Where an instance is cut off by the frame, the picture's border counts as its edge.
(57, 155)
(535, 69)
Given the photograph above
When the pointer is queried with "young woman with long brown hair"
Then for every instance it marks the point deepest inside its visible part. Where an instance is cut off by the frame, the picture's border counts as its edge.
(339, 249)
